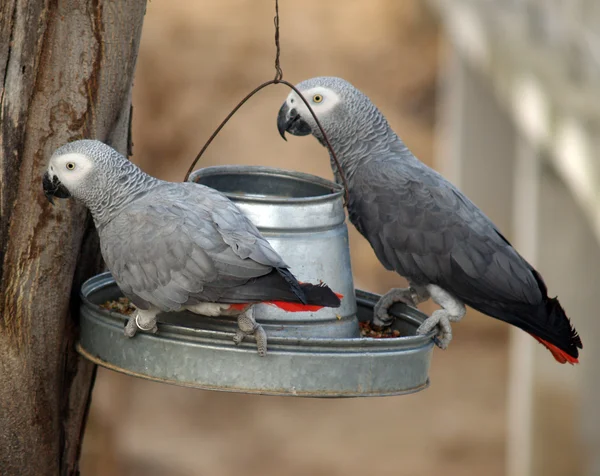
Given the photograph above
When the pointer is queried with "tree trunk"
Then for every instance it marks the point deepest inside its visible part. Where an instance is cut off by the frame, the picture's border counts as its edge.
(66, 69)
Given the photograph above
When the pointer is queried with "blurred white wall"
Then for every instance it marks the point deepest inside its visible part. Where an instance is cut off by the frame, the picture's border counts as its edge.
(519, 132)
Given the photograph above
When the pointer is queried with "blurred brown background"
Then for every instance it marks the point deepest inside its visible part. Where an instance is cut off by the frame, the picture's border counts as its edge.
(197, 59)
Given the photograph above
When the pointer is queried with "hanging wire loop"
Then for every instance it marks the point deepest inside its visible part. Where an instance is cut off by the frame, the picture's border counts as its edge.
(243, 101)
(277, 80)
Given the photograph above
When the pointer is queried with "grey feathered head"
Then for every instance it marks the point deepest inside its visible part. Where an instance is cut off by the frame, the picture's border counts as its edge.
(93, 173)
(344, 112)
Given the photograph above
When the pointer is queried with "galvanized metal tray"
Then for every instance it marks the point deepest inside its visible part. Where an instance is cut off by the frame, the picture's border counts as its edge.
(197, 351)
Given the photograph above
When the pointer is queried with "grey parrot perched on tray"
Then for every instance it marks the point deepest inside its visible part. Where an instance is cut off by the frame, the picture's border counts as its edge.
(174, 246)
(423, 227)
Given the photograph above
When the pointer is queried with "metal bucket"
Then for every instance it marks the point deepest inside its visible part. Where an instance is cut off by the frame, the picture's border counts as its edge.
(199, 352)
(303, 218)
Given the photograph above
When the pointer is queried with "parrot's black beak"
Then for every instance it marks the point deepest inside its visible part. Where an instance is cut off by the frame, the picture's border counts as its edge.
(53, 188)
(288, 120)
(282, 120)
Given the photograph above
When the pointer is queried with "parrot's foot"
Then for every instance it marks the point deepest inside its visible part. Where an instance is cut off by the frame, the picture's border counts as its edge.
(410, 296)
(441, 319)
(142, 320)
(452, 311)
(130, 327)
(247, 325)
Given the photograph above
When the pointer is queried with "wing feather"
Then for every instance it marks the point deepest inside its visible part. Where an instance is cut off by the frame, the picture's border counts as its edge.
(421, 226)
(184, 243)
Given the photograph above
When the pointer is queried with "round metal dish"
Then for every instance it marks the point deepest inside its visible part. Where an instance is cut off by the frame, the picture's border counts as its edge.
(196, 351)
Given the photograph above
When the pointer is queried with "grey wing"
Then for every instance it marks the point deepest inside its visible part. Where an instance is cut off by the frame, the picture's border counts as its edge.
(425, 229)
(236, 229)
(166, 251)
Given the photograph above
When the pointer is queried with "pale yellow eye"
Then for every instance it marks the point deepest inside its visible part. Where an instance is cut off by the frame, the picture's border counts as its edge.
(70, 165)
(317, 98)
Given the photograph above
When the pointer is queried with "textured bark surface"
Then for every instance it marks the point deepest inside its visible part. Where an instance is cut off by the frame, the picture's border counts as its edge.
(66, 71)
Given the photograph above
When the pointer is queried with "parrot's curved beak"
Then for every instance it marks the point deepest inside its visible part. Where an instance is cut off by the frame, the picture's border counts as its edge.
(54, 188)
(289, 120)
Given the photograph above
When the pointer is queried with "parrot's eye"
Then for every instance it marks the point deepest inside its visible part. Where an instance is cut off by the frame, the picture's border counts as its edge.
(317, 98)
(70, 165)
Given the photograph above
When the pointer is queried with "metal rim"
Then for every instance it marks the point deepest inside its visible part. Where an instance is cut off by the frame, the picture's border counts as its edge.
(332, 190)
(308, 394)
(414, 316)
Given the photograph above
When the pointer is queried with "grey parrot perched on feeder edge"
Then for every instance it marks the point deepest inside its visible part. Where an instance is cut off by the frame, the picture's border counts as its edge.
(423, 227)
(175, 246)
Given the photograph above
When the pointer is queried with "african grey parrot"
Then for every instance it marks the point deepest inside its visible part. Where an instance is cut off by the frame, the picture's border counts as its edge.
(174, 246)
(423, 227)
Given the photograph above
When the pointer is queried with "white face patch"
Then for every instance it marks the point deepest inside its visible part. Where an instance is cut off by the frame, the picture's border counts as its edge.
(321, 99)
(71, 169)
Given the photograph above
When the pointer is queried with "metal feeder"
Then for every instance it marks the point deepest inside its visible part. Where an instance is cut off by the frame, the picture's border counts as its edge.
(317, 354)
(303, 218)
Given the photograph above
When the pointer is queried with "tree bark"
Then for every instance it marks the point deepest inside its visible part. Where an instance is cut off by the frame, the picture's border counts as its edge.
(66, 69)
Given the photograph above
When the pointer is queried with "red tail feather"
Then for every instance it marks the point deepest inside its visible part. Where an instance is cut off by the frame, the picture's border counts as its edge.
(294, 306)
(560, 355)
(297, 306)
(286, 306)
